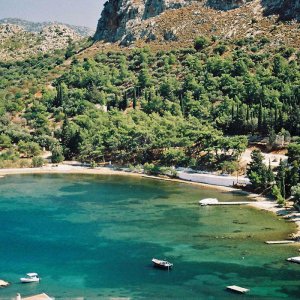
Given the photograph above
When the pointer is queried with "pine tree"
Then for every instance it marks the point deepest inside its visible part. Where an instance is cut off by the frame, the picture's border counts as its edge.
(258, 174)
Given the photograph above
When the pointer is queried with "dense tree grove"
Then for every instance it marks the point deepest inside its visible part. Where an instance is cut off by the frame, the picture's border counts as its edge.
(185, 107)
(284, 180)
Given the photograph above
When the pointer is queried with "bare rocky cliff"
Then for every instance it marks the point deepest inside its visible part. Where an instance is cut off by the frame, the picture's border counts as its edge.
(120, 16)
(127, 21)
(226, 4)
(286, 9)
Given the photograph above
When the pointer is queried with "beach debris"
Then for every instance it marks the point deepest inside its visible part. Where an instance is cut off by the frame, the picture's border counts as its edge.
(237, 289)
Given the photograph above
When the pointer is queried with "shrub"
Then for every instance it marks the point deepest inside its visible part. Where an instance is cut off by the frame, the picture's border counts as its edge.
(168, 171)
(296, 193)
(5, 141)
(29, 149)
(220, 49)
(151, 169)
(37, 162)
(57, 154)
(229, 166)
(277, 195)
(200, 43)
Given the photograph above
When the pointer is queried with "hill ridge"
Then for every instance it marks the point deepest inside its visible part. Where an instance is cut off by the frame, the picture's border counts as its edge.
(38, 26)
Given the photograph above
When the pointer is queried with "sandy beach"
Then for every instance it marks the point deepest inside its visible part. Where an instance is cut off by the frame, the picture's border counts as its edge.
(261, 203)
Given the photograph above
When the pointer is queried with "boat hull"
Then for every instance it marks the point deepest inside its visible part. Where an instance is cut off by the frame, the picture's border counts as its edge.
(161, 264)
(294, 259)
(28, 280)
(208, 201)
(162, 267)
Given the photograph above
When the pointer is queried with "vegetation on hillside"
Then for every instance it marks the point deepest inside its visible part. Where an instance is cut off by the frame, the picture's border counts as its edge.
(187, 107)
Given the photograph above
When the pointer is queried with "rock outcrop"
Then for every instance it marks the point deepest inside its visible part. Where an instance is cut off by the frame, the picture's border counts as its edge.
(127, 21)
(226, 4)
(286, 9)
(16, 43)
(119, 17)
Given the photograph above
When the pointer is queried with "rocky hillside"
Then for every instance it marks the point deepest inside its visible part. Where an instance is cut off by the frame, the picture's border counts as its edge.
(39, 26)
(16, 43)
(182, 20)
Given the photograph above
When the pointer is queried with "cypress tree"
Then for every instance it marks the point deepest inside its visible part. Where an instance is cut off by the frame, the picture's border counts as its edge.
(260, 117)
(182, 105)
(134, 99)
(58, 100)
(248, 114)
(275, 118)
(281, 177)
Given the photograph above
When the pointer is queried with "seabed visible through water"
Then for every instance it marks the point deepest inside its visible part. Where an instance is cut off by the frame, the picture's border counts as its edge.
(94, 236)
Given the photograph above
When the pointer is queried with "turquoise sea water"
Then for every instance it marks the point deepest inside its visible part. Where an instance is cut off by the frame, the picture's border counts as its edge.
(94, 237)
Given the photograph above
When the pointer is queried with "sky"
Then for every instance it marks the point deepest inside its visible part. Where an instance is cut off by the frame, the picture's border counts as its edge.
(74, 12)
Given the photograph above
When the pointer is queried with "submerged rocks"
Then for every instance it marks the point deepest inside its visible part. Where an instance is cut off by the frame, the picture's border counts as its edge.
(3, 283)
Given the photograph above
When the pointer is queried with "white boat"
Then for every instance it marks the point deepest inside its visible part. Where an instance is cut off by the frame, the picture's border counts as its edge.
(163, 264)
(31, 277)
(295, 259)
(208, 201)
(237, 289)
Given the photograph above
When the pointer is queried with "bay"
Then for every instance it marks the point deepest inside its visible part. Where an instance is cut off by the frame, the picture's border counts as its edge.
(94, 236)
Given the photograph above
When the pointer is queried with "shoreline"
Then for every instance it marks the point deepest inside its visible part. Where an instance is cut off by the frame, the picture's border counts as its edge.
(261, 202)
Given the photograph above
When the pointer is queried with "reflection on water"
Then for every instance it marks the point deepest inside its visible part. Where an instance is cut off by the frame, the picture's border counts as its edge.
(95, 236)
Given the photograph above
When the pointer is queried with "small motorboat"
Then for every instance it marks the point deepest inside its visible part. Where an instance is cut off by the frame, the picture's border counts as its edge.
(295, 259)
(208, 201)
(163, 264)
(31, 277)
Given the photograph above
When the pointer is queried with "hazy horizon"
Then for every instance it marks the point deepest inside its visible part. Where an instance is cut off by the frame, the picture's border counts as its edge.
(78, 12)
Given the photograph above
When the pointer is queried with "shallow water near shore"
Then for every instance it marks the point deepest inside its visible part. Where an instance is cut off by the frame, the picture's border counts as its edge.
(94, 236)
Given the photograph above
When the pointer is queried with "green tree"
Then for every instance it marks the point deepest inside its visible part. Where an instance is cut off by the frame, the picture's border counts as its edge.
(174, 157)
(294, 153)
(296, 193)
(281, 177)
(144, 78)
(200, 43)
(277, 194)
(70, 138)
(70, 50)
(5, 141)
(57, 153)
(257, 172)
(29, 149)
